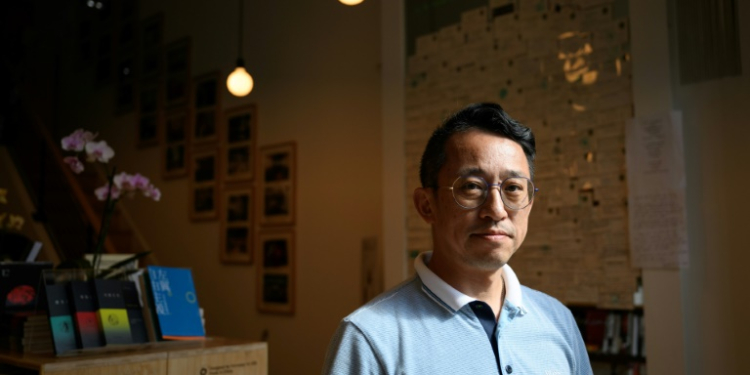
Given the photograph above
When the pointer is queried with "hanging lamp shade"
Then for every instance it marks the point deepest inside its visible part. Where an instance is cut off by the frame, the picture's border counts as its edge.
(350, 2)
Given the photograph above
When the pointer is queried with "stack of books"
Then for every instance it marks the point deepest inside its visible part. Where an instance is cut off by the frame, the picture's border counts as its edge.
(154, 306)
(37, 337)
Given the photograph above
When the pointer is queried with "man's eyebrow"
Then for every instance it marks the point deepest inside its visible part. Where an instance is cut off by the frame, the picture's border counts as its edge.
(515, 173)
(479, 171)
(471, 171)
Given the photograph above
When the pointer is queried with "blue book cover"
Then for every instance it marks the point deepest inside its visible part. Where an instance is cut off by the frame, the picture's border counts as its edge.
(175, 302)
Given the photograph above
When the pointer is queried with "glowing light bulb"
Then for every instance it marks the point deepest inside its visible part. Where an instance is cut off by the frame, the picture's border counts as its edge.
(350, 2)
(239, 82)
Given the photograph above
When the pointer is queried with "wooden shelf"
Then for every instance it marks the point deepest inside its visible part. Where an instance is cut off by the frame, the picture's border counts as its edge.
(214, 355)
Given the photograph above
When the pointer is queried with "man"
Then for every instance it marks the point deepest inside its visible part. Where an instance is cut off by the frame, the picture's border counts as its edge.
(466, 312)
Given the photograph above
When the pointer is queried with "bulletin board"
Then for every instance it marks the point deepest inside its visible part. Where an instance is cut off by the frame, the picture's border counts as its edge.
(563, 69)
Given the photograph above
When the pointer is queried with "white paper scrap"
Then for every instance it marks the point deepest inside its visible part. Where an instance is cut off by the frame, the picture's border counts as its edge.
(656, 185)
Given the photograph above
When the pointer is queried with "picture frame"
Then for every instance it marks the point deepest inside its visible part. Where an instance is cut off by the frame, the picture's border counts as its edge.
(149, 123)
(204, 204)
(240, 126)
(276, 275)
(206, 103)
(177, 63)
(277, 171)
(151, 37)
(125, 89)
(237, 239)
(85, 27)
(104, 69)
(174, 146)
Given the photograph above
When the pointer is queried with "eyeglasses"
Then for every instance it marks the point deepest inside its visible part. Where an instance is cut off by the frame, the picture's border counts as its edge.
(471, 192)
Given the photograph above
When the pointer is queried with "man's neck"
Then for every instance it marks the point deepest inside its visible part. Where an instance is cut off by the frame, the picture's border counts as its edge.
(487, 286)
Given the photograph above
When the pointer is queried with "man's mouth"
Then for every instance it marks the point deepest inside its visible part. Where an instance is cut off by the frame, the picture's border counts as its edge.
(493, 234)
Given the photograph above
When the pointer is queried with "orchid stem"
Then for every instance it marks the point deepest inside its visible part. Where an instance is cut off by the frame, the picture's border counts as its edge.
(109, 206)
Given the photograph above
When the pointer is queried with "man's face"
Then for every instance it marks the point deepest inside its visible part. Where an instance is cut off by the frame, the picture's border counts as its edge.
(487, 236)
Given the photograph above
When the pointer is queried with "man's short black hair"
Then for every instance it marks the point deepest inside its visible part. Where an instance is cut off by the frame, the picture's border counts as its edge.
(489, 117)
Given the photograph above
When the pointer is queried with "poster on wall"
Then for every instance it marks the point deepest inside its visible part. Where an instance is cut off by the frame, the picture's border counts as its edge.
(656, 188)
(276, 277)
(278, 170)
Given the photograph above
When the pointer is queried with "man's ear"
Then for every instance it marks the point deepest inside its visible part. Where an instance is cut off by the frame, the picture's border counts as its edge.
(424, 200)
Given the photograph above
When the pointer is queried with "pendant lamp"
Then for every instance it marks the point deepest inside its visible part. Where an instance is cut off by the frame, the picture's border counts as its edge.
(239, 82)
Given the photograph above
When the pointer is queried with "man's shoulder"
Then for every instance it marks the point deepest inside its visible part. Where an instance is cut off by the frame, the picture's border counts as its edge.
(542, 304)
(535, 298)
(395, 301)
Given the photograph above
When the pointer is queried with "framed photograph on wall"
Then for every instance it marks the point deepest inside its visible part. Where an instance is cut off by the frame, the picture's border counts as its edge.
(177, 61)
(149, 119)
(174, 149)
(239, 143)
(236, 245)
(277, 173)
(151, 47)
(276, 278)
(206, 108)
(203, 185)
(104, 70)
(125, 89)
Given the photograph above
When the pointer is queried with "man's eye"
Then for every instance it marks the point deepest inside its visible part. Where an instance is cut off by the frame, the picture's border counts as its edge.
(513, 188)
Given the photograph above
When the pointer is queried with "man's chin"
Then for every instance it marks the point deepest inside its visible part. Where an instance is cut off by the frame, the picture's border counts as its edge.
(488, 262)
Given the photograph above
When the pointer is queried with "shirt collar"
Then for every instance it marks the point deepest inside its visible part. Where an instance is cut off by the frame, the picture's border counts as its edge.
(455, 299)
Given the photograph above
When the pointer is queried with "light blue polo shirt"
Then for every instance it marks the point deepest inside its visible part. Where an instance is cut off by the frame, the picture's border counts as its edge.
(425, 326)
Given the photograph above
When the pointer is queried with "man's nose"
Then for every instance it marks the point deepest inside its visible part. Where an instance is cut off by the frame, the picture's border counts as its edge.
(493, 206)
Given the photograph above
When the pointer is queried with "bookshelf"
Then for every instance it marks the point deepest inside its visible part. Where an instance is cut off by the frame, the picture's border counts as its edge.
(210, 356)
(614, 339)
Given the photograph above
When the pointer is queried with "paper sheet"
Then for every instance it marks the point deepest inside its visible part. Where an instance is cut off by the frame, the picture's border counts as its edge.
(656, 184)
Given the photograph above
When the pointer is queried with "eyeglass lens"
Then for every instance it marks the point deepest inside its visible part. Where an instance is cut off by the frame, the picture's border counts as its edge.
(471, 192)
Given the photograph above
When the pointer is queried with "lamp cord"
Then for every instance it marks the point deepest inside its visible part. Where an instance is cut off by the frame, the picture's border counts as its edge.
(239, 46)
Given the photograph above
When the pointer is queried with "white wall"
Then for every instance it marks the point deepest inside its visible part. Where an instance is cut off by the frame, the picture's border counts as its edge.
(317, 76)
(696, 318)
(714, 289)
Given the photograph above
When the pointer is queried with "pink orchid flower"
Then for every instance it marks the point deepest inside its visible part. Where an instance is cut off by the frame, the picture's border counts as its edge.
(75, 164)
(124, 181)
(140, 182)
(99, 151)
(101, 193)
(152, 192)
(77, 140)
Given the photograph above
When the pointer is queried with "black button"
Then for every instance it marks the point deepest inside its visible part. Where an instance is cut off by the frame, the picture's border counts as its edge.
(509, 369)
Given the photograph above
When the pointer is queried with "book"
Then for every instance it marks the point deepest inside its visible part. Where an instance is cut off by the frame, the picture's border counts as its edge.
(20, 287)
(113, 317)
(134, 310)
(175, 303)
(60, 319)
(84, 309)
(595, 332)
(146, 305)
